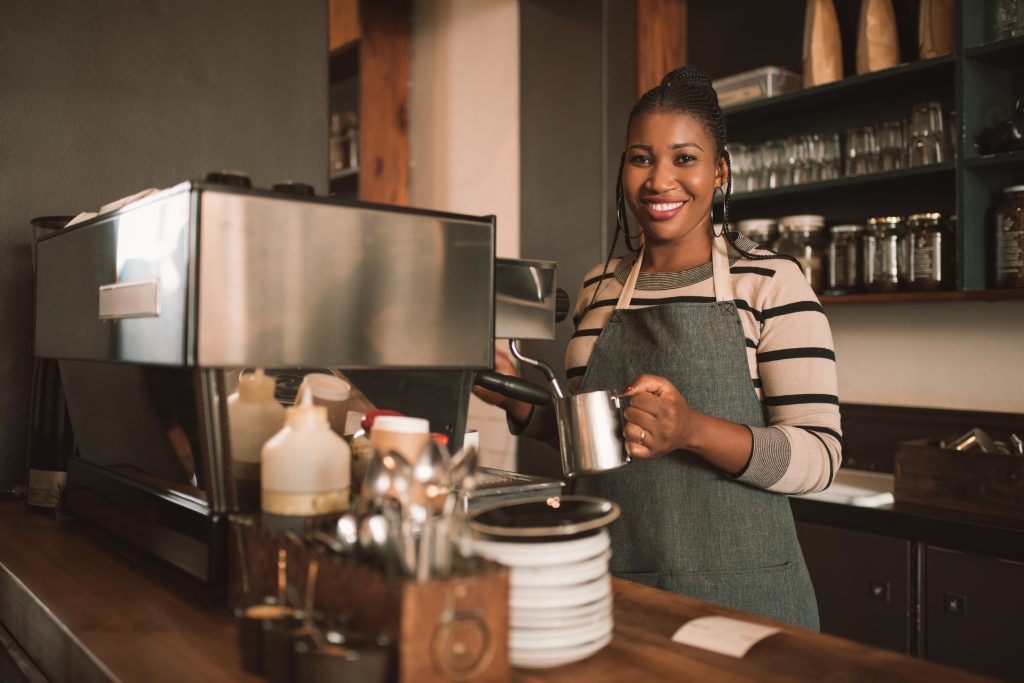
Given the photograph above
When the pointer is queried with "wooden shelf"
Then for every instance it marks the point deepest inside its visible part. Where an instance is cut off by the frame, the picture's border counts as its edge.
(1003, 160)
(925, 297)
(1008, 54)
(882, 179)
(854, 90)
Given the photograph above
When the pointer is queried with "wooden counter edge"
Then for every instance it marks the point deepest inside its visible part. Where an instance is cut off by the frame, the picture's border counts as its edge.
(76, 608)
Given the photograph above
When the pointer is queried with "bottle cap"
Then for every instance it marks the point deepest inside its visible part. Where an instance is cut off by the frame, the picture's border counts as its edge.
(402, 425)
(256, 386)
(305, 413)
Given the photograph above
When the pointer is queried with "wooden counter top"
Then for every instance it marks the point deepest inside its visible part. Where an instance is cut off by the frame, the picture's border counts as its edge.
(85, 613)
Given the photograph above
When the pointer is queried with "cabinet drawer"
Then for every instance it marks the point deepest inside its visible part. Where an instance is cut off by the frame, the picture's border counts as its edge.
(974, 612)
(862, 582)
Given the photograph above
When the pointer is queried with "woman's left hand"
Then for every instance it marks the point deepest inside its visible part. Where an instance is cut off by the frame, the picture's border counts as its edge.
(658, 419)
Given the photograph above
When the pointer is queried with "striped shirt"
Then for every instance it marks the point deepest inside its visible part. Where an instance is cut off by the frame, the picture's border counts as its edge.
(789, 352)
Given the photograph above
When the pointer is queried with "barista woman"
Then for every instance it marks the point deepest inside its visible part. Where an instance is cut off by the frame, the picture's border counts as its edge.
(728, 357)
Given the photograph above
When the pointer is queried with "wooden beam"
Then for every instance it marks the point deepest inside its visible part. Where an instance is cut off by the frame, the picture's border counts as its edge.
(660, 40)
(343, 23)
(384, 101)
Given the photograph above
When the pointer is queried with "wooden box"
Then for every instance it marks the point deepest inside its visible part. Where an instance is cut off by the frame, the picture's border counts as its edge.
(450, 629)
(979, 483)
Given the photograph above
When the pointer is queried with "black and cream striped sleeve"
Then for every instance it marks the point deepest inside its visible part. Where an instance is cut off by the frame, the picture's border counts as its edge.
(801, 448)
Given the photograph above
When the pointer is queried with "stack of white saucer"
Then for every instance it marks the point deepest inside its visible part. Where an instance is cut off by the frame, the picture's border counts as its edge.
(560, 603)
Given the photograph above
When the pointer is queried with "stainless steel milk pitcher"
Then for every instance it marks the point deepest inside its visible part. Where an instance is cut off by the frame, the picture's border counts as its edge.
(590, 432)
(589, 426)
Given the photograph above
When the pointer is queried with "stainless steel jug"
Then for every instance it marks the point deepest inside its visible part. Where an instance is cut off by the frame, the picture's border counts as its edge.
(589, 425)
(590, 432)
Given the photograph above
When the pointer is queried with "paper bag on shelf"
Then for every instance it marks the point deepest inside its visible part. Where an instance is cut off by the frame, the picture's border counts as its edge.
(823, 48)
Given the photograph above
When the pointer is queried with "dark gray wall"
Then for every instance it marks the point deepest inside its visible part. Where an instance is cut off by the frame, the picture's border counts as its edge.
(101, 99)
(577, 85)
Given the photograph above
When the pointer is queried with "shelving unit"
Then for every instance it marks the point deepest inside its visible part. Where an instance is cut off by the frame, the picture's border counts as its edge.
(979, 82)
(343, 79)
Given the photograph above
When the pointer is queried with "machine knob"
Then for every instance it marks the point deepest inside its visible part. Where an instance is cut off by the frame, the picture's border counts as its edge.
(229, 178)
(293, 188)
(562, 305)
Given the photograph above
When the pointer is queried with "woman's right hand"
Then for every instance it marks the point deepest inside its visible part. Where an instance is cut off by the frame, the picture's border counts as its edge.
(519, 411)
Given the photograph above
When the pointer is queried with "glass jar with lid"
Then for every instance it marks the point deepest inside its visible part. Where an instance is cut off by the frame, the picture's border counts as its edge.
(802, 238)
(1008, 244)
(884, 260)
(764, 231)
(930, 252)
(844, 256)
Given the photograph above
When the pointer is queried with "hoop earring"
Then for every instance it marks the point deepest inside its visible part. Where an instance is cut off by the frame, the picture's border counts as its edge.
(718, 188)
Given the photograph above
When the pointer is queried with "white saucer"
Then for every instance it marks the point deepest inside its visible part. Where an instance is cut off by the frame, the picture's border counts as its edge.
(548, 638)
(560, 596)
(543, 554)
(567, 617)
(540, 659)
(569, 575)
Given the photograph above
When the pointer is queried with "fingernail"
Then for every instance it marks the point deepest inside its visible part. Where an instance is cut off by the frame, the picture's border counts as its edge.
(628, 389)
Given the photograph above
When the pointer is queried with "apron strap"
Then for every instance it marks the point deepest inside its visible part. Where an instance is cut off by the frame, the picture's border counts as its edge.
(627, 290)
(719, 273)
(720, 268)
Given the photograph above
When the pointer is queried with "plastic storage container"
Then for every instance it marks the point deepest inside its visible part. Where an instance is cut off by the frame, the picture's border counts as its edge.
(757, 84)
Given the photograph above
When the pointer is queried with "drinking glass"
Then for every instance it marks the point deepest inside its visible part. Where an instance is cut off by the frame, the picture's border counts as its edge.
(798, 153)
(927, 140)
(740, 167)
(861, 151)
(775, 167)
(827, 156)
(890, 145)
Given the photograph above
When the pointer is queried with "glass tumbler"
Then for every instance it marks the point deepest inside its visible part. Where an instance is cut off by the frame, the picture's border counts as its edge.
(927, 140)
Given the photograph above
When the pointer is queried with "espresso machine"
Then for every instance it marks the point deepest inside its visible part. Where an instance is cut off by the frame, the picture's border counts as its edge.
(152, 309)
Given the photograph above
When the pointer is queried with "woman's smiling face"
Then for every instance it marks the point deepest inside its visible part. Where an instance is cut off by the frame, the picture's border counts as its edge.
(669, 178)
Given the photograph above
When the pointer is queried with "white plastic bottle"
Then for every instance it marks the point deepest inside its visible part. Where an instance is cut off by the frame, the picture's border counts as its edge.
(254, 415)
(306, 470)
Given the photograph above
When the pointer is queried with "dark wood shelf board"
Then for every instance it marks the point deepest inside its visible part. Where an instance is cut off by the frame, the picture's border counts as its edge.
(925, 297)
(1008, 53)
(882, 179)
(852, 90)
(1005, 160)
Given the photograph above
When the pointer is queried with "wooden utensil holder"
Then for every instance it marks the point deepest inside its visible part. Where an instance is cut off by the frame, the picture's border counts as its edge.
(449, 629)
(979, 483)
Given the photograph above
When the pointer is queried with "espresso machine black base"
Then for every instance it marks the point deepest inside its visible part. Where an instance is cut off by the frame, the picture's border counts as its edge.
(174, 529)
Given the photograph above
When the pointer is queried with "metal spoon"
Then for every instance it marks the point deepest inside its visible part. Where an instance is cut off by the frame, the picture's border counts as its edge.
(373, 540)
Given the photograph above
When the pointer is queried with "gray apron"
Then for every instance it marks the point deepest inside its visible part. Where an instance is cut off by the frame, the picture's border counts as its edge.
(686, 526)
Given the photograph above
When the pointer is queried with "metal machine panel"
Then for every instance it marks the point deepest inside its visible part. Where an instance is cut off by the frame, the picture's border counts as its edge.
(286, 283)
(525, 299)
(89, 279)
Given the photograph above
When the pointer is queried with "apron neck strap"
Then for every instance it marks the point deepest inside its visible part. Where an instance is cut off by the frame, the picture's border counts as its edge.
(720, 268)
(627, 290)
(719, 273)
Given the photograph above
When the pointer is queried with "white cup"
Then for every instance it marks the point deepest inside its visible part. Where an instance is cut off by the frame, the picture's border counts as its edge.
(332, 393)
(471, 438)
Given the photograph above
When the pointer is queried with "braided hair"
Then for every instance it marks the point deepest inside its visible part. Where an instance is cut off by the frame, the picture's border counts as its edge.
(684, 90)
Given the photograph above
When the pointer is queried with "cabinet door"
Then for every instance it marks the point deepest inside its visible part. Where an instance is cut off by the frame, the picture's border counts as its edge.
(862, 582)
(974, 612)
